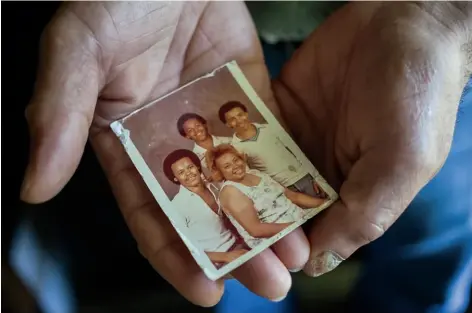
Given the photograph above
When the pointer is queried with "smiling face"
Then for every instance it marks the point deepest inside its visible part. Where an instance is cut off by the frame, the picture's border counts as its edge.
(231, 166)
(186, 173)
(237, 119)
(195, 130)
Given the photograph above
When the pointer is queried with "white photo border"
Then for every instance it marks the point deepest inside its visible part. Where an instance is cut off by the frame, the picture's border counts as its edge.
(165, 203)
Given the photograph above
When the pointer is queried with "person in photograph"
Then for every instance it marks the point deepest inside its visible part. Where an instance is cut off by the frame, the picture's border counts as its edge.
(258, 206)
(266, 152)
(200, 209)
(194, 127)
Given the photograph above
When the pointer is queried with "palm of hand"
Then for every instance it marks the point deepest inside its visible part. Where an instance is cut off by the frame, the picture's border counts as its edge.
(346, 97)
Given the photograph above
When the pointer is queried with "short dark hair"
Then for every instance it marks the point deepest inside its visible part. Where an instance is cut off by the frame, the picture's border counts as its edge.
(185, 117)
(228, 106)
(174, 157)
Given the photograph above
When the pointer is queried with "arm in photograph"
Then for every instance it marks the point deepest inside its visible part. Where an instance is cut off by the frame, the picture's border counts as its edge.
(319, 191)
(225, 257)
(303, 200)
(242, 209)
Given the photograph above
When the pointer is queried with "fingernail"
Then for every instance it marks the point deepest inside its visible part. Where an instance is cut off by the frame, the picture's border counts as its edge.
(295, 270)
(323, 263)
(278, 299)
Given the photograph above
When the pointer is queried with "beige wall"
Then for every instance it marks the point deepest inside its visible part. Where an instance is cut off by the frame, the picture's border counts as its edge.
(154, 129)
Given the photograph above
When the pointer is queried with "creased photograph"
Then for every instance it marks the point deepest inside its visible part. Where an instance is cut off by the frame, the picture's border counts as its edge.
(223, 169)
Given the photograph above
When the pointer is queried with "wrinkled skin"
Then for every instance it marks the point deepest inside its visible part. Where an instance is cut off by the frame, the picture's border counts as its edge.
(371, 97)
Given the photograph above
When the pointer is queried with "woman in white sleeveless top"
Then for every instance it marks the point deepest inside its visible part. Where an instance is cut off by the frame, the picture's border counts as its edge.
(257, 205)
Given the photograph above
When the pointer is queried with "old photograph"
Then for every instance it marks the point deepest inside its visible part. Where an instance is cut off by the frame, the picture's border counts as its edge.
(222, 168)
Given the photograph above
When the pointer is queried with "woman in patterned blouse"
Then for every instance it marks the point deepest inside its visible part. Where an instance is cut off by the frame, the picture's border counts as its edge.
(257, 205)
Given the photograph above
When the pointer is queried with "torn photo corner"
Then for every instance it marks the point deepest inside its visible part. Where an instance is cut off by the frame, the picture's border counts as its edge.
(222, 168)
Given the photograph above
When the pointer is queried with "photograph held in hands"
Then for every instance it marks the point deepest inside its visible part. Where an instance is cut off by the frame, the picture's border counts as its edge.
(225, 172)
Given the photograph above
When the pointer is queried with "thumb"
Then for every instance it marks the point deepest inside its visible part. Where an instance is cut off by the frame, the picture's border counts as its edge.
(61, 110)
(377, 190)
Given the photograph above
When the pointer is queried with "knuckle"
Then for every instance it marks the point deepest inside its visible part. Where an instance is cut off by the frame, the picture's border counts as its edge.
(134, 218)
(374, 228)
(50, 33)
(370, 232)
(429, 162)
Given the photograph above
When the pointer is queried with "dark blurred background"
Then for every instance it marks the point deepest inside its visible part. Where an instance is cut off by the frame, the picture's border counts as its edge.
(74, 254)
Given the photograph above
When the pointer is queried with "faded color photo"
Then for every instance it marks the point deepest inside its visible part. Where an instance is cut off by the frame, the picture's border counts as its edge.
(222, 168)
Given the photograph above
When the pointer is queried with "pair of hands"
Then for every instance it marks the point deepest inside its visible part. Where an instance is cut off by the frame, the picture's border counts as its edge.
(371, 98)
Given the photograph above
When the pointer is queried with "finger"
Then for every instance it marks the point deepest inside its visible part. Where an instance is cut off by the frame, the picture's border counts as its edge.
(61, 110)
(265, 275)
(378, 189)
(293, 250)
(156, 238)
(177, 266)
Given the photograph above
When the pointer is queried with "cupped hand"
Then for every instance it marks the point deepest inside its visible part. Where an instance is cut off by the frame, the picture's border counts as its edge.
(372, 97)
(101, 61)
